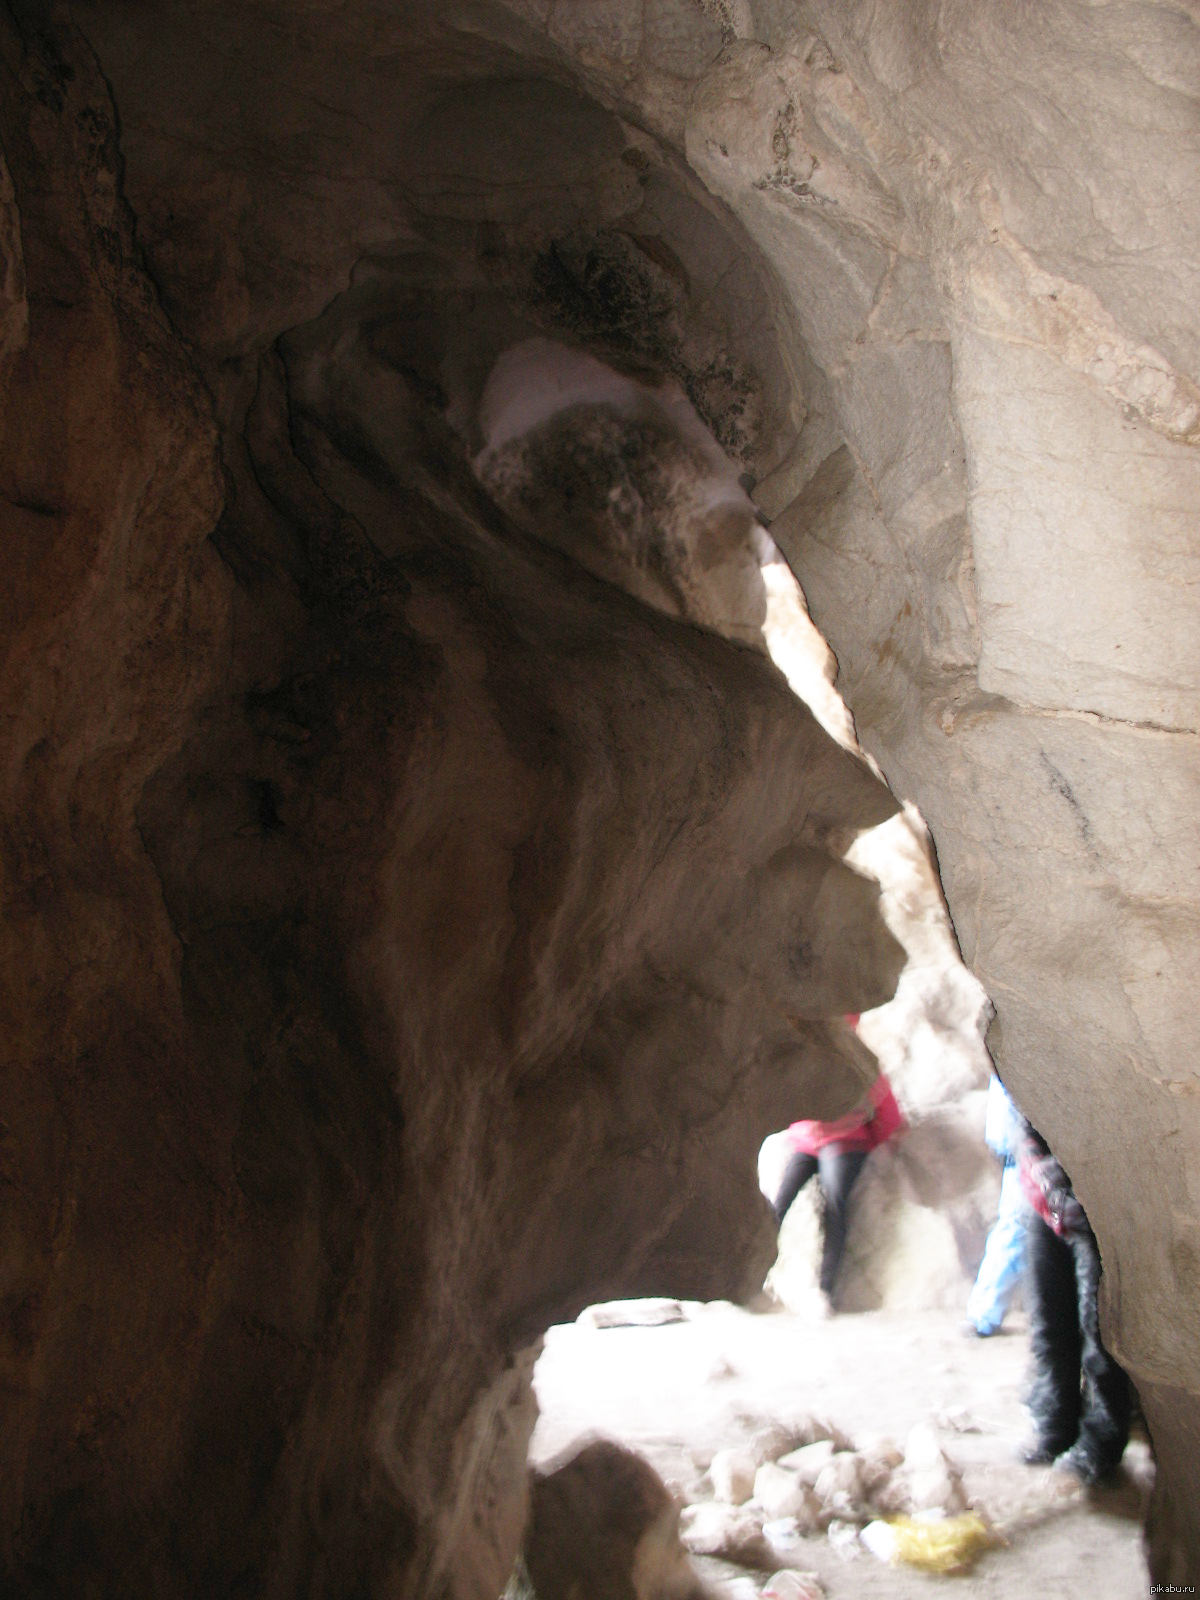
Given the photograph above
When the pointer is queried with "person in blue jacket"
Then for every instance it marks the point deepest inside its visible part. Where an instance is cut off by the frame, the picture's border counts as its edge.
(1003, 1262)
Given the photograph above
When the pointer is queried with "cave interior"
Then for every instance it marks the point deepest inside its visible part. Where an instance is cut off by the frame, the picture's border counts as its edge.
(422, 892)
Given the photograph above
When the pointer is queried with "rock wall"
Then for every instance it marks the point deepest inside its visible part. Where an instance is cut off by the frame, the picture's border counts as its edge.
(993, 283)
(970, 215)
(409, 934)
(923, 1205)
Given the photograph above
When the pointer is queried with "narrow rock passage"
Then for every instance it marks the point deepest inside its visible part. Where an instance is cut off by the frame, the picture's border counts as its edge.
(680, 1392)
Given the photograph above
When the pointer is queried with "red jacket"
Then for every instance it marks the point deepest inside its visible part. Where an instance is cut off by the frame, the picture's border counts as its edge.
(871, 1123)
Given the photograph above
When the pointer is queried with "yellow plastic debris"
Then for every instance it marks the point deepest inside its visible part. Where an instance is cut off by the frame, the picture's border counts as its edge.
(944, 1544)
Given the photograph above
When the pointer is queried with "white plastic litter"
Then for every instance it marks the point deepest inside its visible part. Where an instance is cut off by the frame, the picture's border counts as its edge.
(880, 1540)
(783, 1535)
(843, 1536)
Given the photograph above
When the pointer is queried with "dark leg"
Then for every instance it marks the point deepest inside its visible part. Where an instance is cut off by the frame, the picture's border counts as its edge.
(1055, 1338)
(839, 1171)
(796, 1174)
(1107, 1398)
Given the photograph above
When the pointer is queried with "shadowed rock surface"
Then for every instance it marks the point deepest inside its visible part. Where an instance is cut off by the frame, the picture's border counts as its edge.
(410, 932)
(409, 935)
(604, 1523)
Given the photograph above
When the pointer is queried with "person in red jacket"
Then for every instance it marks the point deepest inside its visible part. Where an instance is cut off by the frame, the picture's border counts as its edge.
(836, 1151)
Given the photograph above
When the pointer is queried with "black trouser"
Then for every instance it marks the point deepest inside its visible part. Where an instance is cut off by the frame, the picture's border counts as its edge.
(839, 1168)
(1063, 1277)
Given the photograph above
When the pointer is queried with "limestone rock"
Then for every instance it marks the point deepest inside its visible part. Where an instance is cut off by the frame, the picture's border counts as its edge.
(732, 1532)
(371, 998)
(739, 1588)
(778, 1437)
(922, 1206)
(928, 1480)
(603, 1523)
(732, 1475)
(878, 1461)
(840, 1485)
(791, 1585)
(651, 1312)
(781, 1493)
(625, 478)
(922, 1448)
(892, 1497)
(769, 1443)
(880, 1448)
(808, 1462)
(936, 1489)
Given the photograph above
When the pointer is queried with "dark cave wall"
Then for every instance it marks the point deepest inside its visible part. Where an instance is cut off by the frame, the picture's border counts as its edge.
(400, 945)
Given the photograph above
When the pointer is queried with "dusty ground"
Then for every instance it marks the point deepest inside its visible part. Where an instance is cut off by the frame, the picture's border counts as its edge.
(679, 1392)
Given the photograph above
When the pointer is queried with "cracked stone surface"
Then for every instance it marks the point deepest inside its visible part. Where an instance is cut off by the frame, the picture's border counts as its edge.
(412, 925)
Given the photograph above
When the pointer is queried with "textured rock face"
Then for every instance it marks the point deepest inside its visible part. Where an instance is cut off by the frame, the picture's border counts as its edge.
(991, 509)
(409, 935)
(924, 1203)
(604, 1523)
(987, 276)
(923, 1206)
(409, 932)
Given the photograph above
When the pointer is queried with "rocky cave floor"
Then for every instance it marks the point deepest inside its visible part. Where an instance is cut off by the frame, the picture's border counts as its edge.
(678, 1393)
